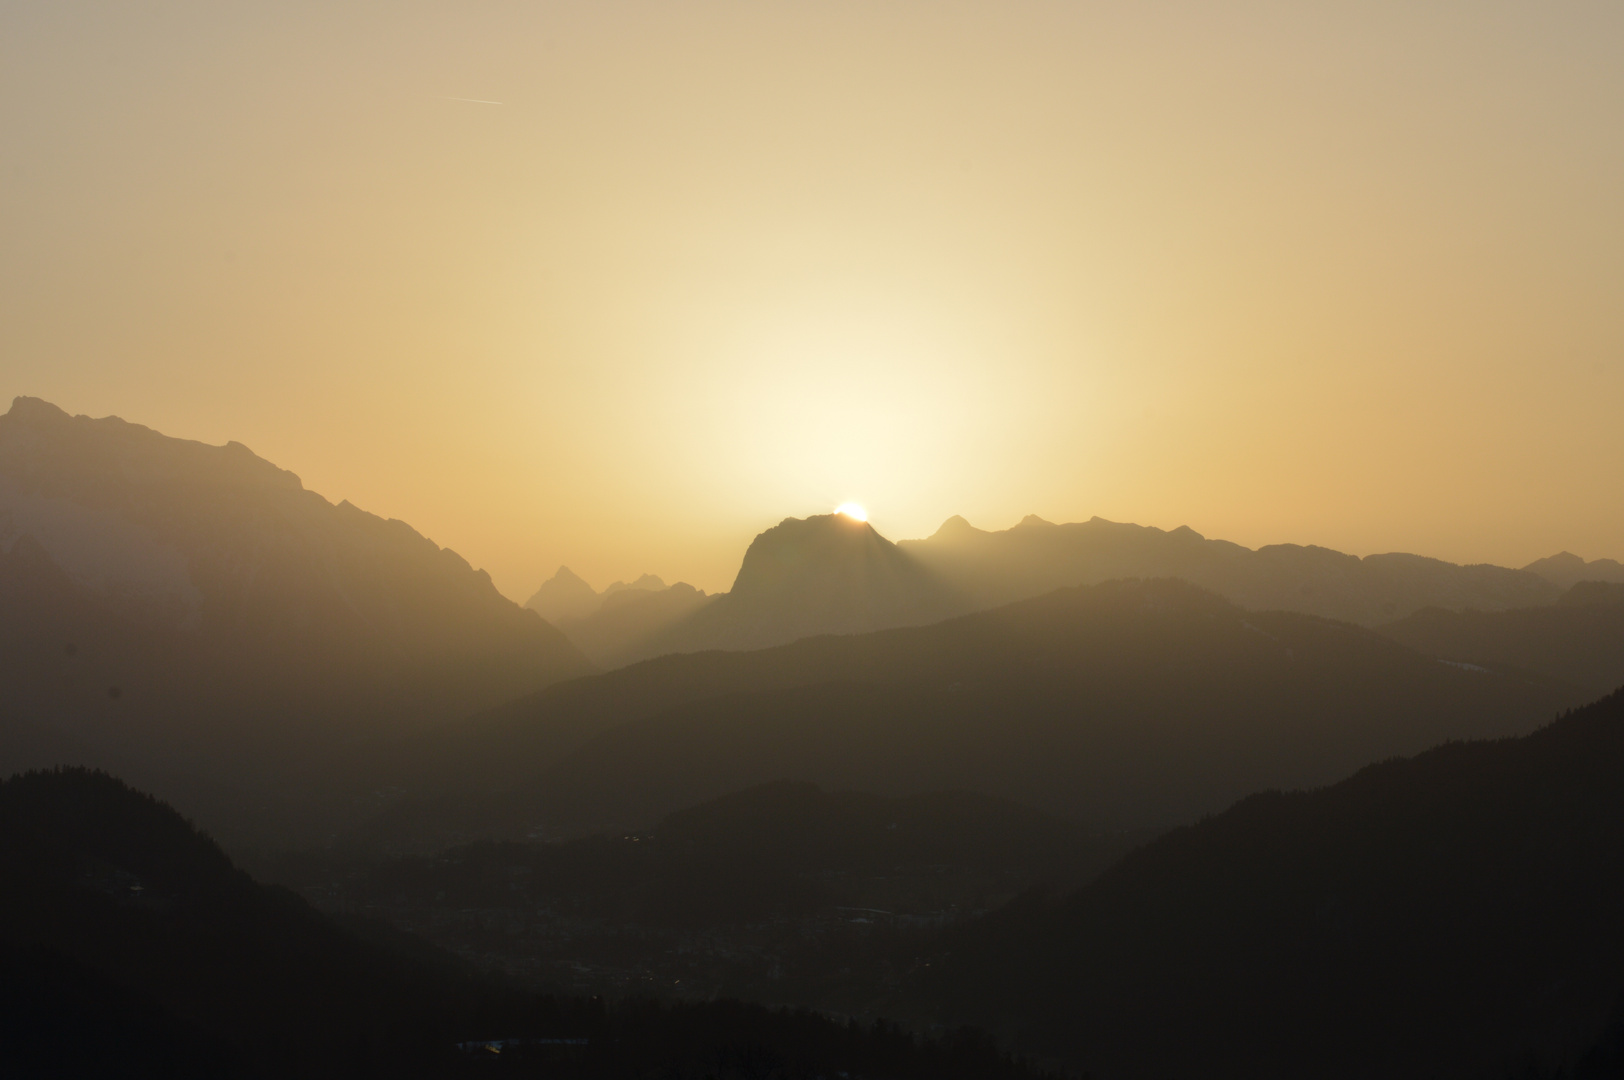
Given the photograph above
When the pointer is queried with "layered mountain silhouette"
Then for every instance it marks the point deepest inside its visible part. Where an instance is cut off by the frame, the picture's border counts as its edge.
(793, 889)
(1126, 704)
(831, 574)
(1036, 556)
(620, 623)
(826, 574)
(1454, 914)
(1578, 640)
(131, 946)
(177, 603)
(563, 597)
(1565, 570)
(778, 850)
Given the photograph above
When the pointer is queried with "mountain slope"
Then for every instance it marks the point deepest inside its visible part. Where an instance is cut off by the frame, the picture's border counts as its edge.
(628, 623)
(1456, 914)
(1037, 556)
(1579, 639)
(195, 604)
(131, 937)
(564, 596)
(1127, 704)
(623, 622)
(1565, 570)
(826, 574)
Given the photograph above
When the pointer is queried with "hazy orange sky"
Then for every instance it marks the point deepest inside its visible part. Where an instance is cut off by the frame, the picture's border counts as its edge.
(1348, 274)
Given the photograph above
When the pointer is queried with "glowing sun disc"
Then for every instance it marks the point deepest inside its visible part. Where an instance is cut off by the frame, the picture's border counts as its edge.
(853, 511)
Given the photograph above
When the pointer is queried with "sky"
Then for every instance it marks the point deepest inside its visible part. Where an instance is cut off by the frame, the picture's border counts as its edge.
(618, 285)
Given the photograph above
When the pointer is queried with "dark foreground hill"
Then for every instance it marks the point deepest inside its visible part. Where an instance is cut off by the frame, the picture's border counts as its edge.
(1037, 556)
(192, 608)
(131, 947)
(1124, 705)
(767, 894)
(1579, 639)
(1457, 914)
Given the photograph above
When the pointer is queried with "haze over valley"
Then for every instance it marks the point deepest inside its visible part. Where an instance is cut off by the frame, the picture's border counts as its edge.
(832, 541)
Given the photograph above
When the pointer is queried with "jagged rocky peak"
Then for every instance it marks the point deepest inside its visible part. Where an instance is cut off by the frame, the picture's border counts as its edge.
(563, 597)
(646, 583)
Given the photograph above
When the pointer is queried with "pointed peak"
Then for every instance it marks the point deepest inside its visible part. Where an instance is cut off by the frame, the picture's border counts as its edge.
(955, 528)
(1032, 521)
(564, 573)
(33, 408)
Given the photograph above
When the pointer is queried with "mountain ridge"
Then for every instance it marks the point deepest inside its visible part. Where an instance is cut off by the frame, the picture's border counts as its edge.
(1061, 701)
(186, 609)
(1448, 914)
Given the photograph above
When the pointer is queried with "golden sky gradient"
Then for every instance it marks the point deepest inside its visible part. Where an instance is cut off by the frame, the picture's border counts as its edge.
(1348, 274)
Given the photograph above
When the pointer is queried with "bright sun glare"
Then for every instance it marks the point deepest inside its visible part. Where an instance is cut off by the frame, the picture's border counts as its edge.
(852, 510)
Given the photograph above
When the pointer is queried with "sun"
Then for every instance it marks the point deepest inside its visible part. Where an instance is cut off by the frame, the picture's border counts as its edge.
(853, 511)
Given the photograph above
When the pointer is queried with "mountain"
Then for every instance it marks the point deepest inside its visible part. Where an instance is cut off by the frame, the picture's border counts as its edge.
(194, 609)
(627, 621)
(645, 583)
(1579, 639)
(1451, 915)
(1037, 556)
(788, 884)
(617, 625)
(826, 574)
(1564, 570)
(564, 596)
(831, 574)
(1126, 705)
(131, 946)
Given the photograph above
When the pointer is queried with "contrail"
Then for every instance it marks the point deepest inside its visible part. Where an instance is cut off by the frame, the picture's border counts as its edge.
(474, 100)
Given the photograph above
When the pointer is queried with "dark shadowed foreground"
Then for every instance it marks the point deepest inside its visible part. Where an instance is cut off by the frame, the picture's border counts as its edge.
(130, 946)
(1125, 705)
(1455, 914)
(780, 893)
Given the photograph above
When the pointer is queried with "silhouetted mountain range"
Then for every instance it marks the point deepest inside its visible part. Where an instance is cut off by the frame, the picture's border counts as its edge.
(170, 603)
(1565, 570)
(827, 574)
(1451, 915)
(1579, 639)
(1037, 556)
(831, 574)
(1127, 704)
(787, 885)
(618, 624)
(563, 597)
(130, 946)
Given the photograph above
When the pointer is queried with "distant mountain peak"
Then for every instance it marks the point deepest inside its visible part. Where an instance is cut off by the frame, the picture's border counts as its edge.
(955, 528)
(563, 597)
(1565, 569)
(564, 573)
(646, 583)
(1032, 521)
(33, 408)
